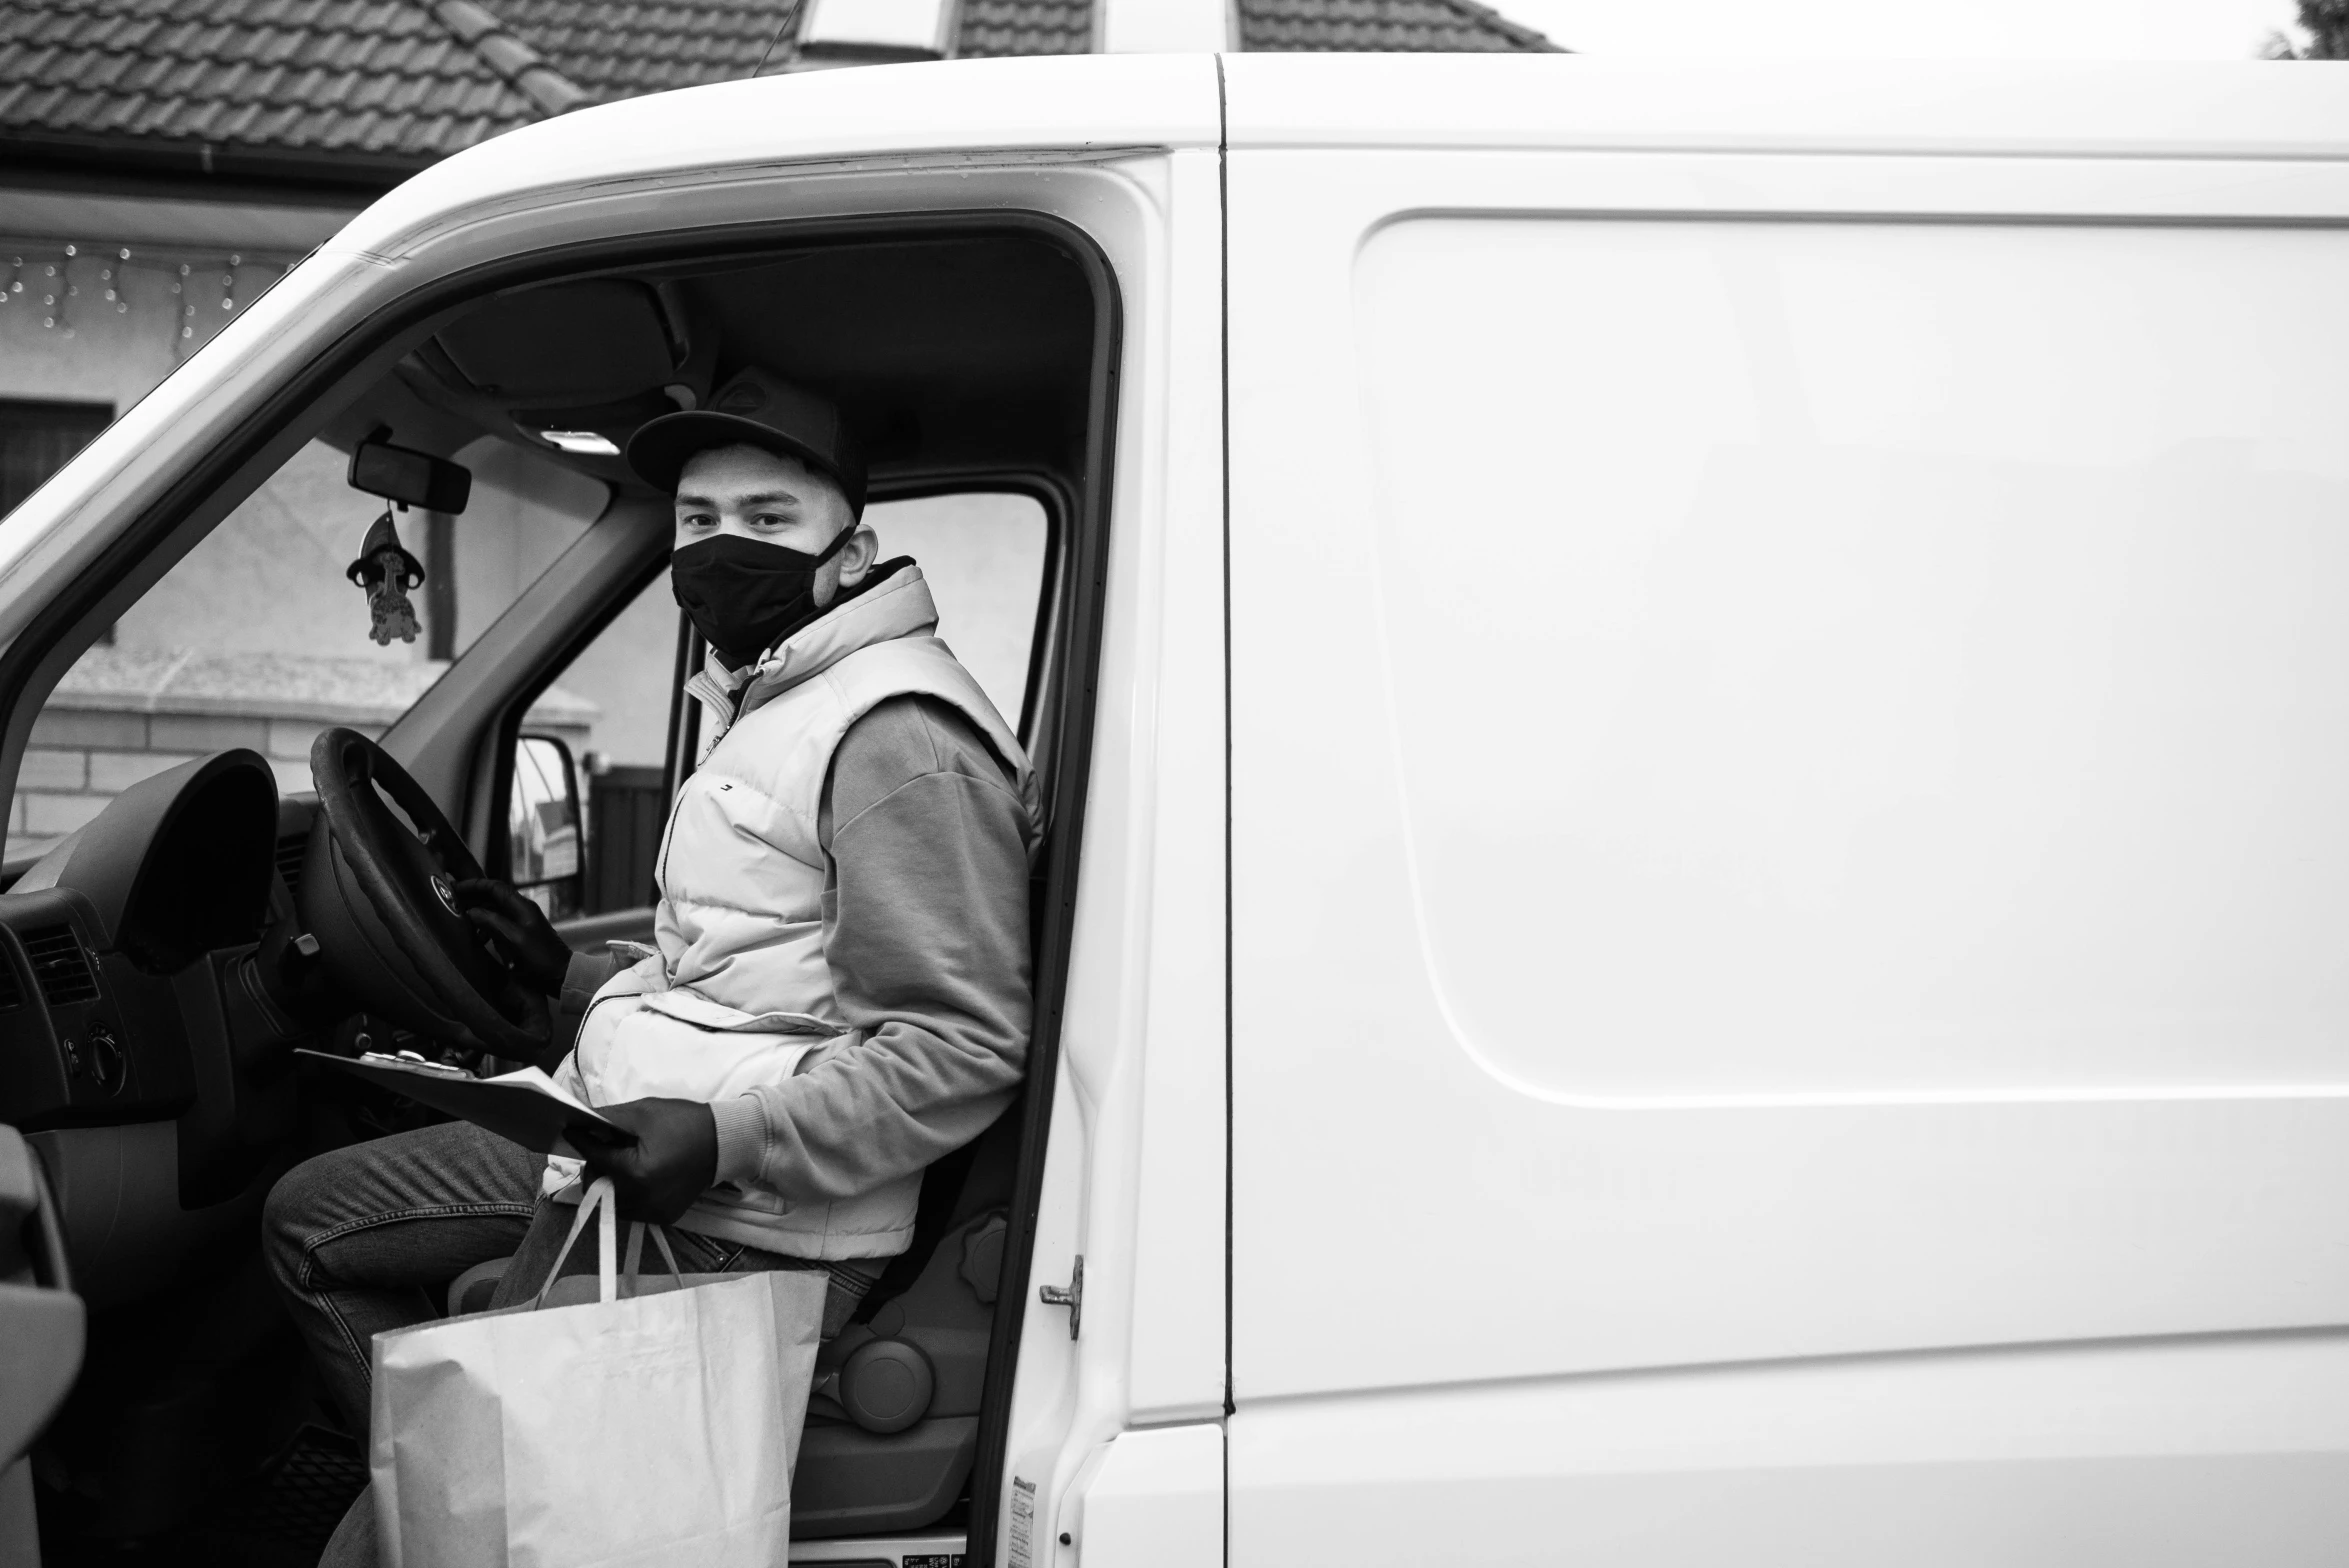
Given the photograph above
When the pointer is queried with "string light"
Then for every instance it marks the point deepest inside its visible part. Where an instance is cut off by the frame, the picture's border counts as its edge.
(66, 290)
(117, 294)
(196, 286)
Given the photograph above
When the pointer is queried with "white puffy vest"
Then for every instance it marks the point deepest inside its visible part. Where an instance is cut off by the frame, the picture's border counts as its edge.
(739, 991)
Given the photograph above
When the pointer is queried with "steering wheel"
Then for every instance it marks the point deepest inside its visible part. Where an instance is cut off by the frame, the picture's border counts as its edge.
(455, 987)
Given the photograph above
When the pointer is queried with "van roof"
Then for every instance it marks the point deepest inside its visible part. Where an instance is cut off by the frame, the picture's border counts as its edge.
(2223, 108)
(945, 109)
(1109, 103)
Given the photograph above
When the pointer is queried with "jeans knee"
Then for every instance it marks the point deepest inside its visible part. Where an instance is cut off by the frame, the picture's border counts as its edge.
(293, 1213)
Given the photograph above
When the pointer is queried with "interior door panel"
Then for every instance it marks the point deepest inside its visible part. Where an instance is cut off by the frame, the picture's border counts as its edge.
(41, 1335)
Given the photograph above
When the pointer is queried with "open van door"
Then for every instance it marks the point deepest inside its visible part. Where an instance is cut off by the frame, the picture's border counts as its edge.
(41, 1328)
(1036, 246)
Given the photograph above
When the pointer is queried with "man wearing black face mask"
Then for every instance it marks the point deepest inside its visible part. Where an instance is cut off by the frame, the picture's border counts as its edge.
(852, 850)
(840, 992)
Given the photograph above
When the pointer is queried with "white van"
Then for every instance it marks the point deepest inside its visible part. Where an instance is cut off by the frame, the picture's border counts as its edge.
(1697, 731)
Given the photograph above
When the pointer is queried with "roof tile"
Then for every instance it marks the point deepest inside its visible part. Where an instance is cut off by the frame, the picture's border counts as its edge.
(1421, 26)
(260, 73)
(1002, 27)
(426, 78)
(620, 48)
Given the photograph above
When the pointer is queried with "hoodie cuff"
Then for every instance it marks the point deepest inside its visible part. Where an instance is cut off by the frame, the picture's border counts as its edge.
(742, 1138)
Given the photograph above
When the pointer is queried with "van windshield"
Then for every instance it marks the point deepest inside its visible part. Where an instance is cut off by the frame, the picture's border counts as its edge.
(259, 638)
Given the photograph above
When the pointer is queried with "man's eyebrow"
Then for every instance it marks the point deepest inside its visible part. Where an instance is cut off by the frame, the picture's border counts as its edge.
(764, 498)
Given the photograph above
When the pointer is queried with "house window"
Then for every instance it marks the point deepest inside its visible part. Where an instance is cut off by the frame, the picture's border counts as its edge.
(37, 438)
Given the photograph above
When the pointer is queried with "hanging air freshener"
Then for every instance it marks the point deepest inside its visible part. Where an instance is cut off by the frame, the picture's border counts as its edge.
(387, 572)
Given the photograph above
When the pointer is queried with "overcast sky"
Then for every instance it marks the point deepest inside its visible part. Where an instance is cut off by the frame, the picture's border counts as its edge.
(1954, 29)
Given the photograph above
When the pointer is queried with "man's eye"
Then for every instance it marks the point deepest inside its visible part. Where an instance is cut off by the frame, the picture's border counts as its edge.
(770, 520)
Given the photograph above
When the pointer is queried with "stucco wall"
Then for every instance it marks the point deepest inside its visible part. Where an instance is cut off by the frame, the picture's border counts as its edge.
(61, 336)
(262, 601)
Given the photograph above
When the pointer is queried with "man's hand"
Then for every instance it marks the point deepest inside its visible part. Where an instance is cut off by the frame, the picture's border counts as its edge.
(673, 1161)
(539, 953)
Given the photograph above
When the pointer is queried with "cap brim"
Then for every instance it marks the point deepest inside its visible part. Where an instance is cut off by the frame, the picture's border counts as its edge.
(658, 452)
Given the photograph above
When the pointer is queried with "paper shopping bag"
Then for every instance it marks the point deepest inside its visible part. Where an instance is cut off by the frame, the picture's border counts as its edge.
(649, 1430)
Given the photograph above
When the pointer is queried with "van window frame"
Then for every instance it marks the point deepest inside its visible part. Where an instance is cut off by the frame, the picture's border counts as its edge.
(233, 467)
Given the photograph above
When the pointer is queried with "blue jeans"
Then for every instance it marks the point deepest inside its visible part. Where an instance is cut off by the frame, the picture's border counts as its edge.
(368, 1238)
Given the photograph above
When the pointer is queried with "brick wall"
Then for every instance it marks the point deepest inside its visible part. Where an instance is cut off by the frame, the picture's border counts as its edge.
(96, 737)
(81, 758)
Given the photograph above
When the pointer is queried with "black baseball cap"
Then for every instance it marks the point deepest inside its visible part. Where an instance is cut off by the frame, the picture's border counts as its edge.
(758, 409)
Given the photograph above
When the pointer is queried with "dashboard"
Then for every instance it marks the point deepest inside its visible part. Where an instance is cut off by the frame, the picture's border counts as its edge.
(109, 938)
(141, 1048)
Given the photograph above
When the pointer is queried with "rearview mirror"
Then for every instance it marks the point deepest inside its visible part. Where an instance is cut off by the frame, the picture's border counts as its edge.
(410, 477)
(543, 826)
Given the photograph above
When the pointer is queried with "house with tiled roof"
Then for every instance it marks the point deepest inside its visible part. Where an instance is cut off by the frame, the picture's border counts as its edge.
(357, 94)
(163, 161)
(234, 134)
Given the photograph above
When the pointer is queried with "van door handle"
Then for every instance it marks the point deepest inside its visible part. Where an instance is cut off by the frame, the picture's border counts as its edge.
(1071, 1295)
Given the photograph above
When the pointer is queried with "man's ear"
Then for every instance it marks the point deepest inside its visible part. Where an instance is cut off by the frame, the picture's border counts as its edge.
(858, 555)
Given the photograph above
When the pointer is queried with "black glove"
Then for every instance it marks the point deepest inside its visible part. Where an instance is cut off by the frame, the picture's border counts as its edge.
(537, 951)
(673, 1161)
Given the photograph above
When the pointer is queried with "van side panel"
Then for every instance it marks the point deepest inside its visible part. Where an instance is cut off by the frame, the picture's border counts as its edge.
(2175, 1453)
(1790, 907)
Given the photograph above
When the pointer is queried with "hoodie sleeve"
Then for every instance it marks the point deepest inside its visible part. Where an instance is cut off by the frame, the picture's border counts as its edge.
(926, 931)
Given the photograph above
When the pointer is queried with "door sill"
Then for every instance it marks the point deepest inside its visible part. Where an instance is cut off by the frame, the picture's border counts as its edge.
(918, 1549)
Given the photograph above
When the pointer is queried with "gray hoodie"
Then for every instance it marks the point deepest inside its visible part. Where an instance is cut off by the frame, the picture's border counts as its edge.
(926, 842)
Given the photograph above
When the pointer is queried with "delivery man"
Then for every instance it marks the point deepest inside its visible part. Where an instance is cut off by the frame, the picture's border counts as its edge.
(840, 992)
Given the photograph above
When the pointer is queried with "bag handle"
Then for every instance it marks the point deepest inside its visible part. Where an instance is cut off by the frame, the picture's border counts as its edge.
(636, 1230)
(598, 1200)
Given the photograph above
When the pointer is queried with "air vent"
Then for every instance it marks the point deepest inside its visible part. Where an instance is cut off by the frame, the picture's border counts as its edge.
(60, 968)
(290, 853)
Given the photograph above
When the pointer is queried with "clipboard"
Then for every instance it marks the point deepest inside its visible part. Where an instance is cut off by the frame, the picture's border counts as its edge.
(527, 1106)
